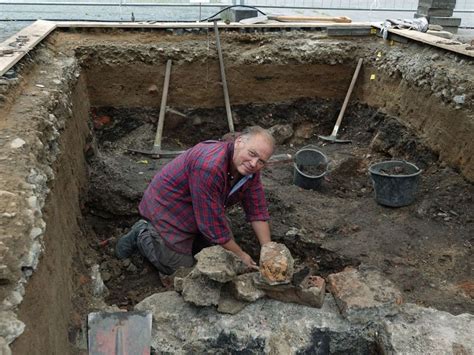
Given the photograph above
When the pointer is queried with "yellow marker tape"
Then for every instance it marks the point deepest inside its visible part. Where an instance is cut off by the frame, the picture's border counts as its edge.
(142, 161)
(379, 54)
(373, 31)
(372, 76)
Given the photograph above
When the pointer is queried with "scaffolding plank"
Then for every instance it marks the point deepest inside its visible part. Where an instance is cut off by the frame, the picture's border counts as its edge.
(448, 44)
(15, 47)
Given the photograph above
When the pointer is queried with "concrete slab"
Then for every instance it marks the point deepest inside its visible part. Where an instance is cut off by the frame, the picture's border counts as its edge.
(418, 330)
(445, 21)
(364, 294)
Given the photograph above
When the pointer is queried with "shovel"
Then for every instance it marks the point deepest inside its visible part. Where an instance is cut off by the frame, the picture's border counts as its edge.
(157, 152)
(224, 81)
(332, 138)
(119, 333)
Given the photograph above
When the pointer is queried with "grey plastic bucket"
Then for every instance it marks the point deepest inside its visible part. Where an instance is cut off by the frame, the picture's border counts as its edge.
(305, 159)
(395, 190)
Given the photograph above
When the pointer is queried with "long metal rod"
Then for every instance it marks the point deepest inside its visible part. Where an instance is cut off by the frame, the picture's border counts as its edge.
(161, 118)
(224, 80)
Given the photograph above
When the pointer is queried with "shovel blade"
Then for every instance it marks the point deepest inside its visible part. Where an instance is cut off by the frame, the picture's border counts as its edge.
(119, 333)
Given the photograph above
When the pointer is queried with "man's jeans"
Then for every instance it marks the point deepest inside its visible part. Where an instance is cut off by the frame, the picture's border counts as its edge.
(152, 247)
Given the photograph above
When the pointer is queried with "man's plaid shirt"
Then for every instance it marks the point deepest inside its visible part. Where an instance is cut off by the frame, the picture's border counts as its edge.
(188, 197)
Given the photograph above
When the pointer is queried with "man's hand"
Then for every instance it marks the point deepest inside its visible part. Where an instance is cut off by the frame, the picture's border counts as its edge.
(232, 246)
(248, 261)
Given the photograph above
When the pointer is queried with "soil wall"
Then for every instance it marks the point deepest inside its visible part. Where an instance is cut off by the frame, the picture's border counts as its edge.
(447, 130)
(195, 85)
(46, 307)
(426, 88)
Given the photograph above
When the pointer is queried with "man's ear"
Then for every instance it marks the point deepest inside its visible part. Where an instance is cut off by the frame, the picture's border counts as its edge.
(239, 140)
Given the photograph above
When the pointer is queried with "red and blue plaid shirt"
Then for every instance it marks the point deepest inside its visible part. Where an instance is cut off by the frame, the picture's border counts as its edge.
(188, 197)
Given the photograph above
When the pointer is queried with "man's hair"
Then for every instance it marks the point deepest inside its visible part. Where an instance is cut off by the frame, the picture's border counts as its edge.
(258, 131)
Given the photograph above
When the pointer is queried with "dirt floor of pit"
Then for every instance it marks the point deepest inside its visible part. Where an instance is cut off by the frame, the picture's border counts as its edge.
(424, 248)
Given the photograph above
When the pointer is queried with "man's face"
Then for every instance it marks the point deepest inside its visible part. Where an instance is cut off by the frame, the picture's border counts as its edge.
(251, 154)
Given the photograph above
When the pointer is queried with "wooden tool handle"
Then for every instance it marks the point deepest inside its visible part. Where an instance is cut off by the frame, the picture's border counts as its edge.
(161, 117)
(346, 100)
(224, 80)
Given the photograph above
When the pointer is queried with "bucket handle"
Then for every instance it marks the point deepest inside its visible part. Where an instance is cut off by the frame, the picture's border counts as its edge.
(328, 160)
(310, 146)
(406, 162)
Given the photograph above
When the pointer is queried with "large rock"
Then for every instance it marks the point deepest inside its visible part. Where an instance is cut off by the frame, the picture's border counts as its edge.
(276, 263)
(174, 119)
(310, 293)
(273, 327)
(219, 264)
(4, 348)
(364, 295)
(244, 288)
(228, 303)
(304, 131)
(10, 326)
(200, 290)
(418, 330)
(263, 327)
(281, 133)
(178, 278)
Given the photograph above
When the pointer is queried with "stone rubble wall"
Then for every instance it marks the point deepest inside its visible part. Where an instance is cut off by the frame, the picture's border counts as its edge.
(32, 133)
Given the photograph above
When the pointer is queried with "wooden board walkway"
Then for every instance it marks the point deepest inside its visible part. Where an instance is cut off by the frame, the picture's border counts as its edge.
(15, 47)
(435, 41)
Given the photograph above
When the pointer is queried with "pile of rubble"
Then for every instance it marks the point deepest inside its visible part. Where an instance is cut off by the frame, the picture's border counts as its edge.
(221, 279)
(364, 314)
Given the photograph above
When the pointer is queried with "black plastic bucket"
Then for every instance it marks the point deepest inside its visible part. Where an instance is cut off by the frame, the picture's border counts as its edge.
(306, 161)
(395, 189)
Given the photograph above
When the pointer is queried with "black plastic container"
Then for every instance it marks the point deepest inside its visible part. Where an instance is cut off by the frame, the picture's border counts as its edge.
(307, 158)
(392, 189)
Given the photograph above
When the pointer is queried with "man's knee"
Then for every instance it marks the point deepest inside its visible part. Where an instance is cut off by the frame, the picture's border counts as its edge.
(152, 247)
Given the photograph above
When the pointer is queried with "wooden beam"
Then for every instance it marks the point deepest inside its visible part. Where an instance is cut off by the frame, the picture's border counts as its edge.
(435, 41)
(15, 47)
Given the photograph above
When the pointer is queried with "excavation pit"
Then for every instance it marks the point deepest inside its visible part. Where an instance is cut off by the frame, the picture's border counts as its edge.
(71, 187)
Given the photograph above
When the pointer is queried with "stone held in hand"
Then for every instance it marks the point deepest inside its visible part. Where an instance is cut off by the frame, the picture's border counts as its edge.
(276, 263)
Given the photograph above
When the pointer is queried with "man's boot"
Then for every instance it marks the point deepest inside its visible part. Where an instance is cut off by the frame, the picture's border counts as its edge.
(127, 244)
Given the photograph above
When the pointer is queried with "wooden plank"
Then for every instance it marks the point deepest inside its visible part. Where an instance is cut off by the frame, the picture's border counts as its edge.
(15, 47)
(340, 19)
(188, 25)
(448, 44)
